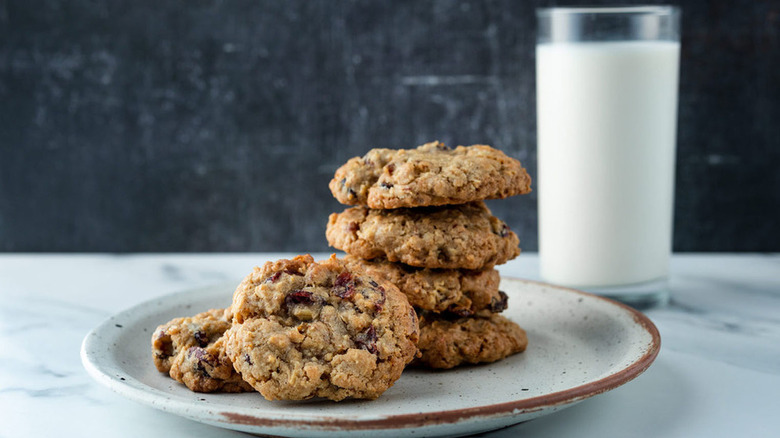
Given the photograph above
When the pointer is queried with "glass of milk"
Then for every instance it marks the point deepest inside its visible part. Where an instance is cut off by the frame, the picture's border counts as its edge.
(606, 83)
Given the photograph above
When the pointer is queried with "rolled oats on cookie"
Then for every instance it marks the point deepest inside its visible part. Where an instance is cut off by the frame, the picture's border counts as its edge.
(447, 343)
(192, 351)
(463, 236)
(304, 329)
(459, 292)
(431, 174)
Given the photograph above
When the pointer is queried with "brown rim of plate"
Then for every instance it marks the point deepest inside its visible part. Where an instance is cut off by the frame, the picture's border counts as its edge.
(532, 404)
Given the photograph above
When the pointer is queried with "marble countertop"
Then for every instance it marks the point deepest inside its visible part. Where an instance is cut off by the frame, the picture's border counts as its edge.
(717, 375)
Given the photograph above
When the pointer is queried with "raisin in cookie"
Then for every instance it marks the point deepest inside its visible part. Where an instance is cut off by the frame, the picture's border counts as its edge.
(304, 329)
(456, 291)
(191, 350)
(463, 236)
(432, 174)
(448, 343)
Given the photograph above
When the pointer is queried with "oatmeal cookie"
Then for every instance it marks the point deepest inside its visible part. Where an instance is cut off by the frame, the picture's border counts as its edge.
(432, 174)
(304, 329)
(457, 291)
(463, 236)
(448, 343)
(191, 350)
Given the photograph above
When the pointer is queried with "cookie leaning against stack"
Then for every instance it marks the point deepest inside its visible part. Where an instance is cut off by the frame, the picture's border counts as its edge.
(421, 223)
(304, 329)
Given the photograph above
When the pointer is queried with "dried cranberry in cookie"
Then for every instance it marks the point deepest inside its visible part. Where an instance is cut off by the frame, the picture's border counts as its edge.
(432, 174)
(304, 329)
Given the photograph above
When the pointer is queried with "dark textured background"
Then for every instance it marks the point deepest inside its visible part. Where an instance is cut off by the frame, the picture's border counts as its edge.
(216, 126)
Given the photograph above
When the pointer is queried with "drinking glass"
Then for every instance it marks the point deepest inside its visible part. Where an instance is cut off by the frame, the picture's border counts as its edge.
(606, 81)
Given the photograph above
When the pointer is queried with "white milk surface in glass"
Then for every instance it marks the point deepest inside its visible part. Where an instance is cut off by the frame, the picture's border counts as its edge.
(607, 115)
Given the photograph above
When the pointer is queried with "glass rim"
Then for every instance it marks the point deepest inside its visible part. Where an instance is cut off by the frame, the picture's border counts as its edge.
(608, 10)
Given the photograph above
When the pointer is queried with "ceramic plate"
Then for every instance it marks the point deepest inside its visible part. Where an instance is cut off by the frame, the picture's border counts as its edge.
(579, 345)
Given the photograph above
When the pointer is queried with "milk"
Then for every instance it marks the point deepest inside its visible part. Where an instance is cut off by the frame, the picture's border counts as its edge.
(607, 115)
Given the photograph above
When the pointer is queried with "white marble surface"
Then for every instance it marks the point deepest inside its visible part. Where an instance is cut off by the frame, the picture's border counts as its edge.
(717, 375)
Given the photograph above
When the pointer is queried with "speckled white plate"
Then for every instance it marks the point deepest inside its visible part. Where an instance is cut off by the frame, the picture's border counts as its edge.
(580, 345)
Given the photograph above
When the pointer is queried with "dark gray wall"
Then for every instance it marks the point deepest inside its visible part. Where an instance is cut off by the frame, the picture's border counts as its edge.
(216, 126)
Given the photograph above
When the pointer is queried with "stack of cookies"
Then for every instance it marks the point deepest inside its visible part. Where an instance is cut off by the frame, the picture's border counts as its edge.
(419, 276)
(420, 223)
